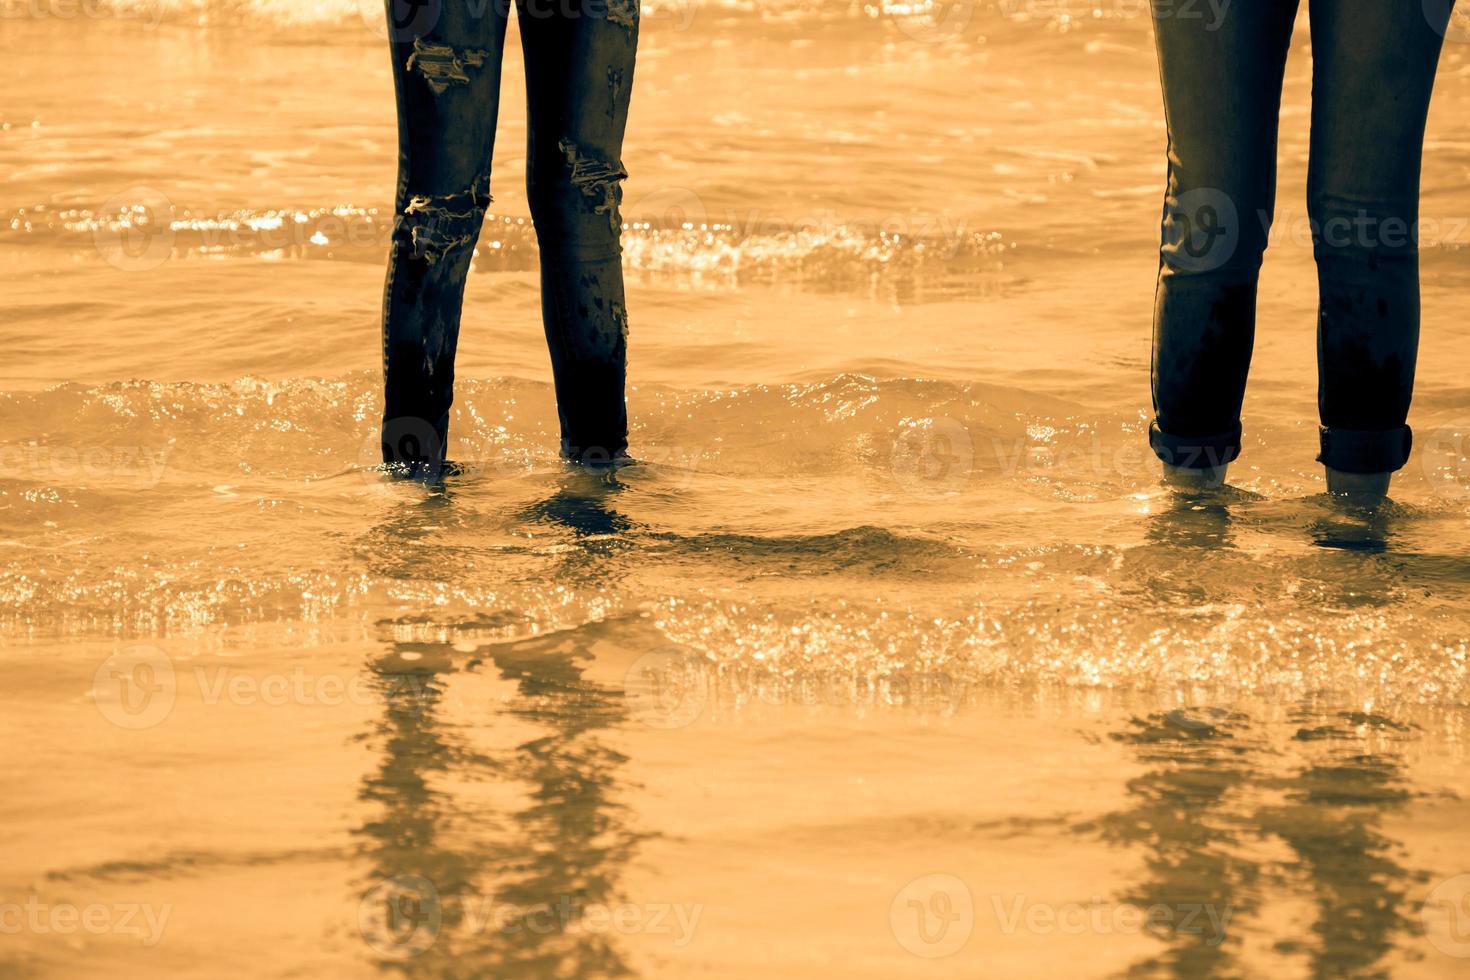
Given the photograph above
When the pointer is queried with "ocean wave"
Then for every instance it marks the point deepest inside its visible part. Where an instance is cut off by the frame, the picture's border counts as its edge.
(308, 428)
(665, 234)
(825, 532)
(326, 12)
(924, 20)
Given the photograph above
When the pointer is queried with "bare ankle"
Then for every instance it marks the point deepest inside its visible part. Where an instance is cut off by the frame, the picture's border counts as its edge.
(1357, 484)
(1190, 478)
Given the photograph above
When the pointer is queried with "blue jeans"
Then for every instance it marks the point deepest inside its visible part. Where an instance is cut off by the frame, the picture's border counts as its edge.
(447, 54)
(1373, 72)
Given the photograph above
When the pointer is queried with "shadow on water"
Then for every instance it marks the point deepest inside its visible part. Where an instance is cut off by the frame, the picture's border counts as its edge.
(1367, 555)
(436, 533)
(416, 541)
(1357, 560)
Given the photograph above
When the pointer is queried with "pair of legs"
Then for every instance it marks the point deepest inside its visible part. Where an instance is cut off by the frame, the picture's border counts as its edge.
(447, 55)
(1373, 72)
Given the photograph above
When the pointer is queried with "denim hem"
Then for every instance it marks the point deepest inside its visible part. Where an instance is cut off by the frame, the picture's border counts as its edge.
(1194, 452)
(1365, 450)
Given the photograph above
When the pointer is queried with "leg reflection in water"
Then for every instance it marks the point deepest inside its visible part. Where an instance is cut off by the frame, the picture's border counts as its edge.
(1210, 816)
(1332, 820)
(1189, 557)
(1185, 815)
(1196, 520)
(582, 504)
(460, 883)
(1345, 525)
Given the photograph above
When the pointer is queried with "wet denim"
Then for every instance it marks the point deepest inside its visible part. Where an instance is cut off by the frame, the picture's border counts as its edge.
(1373, 71)
(579, 57)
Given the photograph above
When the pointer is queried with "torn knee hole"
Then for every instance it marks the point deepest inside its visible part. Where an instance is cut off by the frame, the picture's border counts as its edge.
(624, 13)
(441, 65)
(438, 224)
(598, 180)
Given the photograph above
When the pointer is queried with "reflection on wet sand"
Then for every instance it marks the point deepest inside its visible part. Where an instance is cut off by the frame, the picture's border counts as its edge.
(1227, 788)
(474, 880)
(1185, 813)
(461, 885)
(1213, 810)
(1335, 803)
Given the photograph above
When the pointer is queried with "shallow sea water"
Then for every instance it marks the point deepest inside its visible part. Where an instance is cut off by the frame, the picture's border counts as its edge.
(890, 658)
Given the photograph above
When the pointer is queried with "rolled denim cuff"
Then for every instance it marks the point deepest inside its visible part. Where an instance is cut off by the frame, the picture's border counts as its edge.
(1194, 452)
(1365, 450)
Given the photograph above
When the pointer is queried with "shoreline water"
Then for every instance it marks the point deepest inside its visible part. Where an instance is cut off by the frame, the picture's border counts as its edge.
(890, 658)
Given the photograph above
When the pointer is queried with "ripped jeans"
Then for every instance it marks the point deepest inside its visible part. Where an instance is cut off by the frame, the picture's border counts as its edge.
(1373, 72)
(579, 58)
